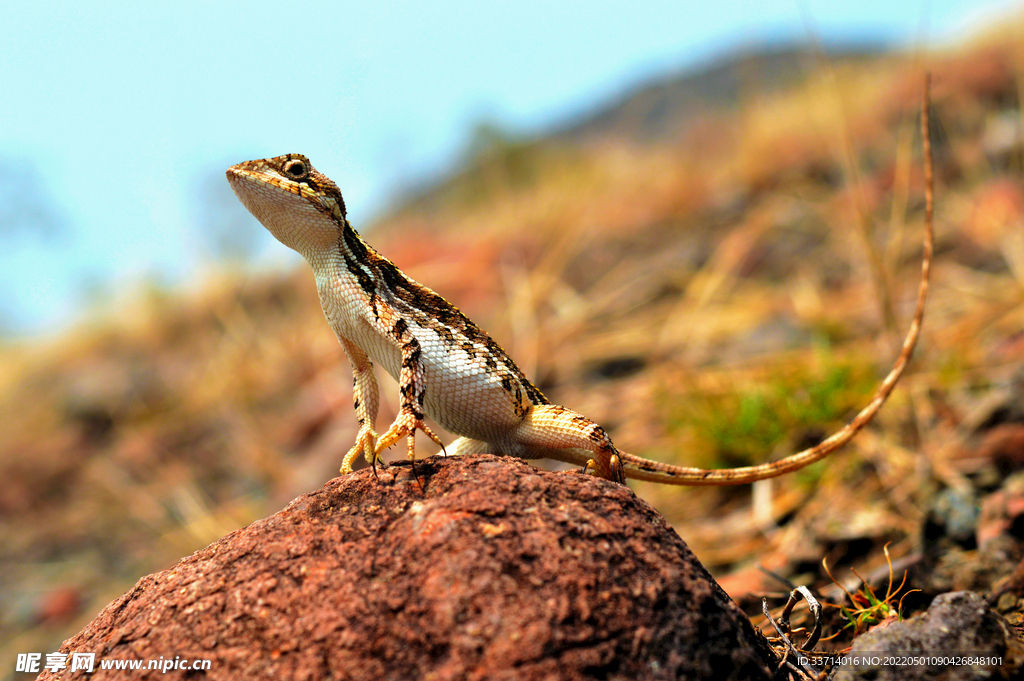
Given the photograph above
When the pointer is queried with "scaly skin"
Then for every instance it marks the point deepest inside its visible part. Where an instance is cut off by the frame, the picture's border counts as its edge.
(450, 369)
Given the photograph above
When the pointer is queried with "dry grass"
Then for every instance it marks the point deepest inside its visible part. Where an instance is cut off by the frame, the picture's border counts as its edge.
(719, 299)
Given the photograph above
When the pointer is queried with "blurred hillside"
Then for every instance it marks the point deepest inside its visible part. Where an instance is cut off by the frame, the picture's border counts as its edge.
(717, 280)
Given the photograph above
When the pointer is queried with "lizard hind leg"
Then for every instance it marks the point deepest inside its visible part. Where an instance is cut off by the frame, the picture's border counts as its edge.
(567, 436)
(467, 445)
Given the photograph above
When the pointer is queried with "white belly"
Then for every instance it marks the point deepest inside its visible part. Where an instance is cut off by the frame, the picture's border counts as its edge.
(462, 393)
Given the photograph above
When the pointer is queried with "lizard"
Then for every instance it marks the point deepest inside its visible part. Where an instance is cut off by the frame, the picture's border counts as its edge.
(447, 367)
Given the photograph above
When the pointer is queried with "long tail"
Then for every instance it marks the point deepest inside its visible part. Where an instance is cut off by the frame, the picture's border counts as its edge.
(644, 469)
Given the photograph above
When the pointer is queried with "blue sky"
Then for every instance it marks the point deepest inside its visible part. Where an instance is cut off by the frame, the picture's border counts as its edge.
(117, 119)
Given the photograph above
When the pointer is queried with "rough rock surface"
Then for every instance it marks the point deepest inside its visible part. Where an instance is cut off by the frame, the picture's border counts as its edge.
(479, 568)
(959, 623)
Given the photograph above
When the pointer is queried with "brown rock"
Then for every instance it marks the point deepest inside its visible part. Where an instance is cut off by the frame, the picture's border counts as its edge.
(480, 568)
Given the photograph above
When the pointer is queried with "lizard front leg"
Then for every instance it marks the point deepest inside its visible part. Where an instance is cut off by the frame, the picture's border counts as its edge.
(366, 396)
(411, 388)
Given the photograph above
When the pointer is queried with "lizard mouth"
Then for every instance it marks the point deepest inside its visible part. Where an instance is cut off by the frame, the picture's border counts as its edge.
(294, 210)
(258, 174)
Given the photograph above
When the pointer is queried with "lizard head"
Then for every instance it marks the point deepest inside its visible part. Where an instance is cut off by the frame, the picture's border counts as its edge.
(300, 206)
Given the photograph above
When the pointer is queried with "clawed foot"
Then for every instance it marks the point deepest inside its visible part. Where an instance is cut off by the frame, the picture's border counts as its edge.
(405, 425)
(366, 444)
(616, 472)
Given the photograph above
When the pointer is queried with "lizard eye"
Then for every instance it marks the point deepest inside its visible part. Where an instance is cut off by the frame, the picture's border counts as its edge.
(296, 169)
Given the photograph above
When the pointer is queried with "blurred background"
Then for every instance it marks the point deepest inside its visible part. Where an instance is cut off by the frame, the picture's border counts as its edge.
(699, 225)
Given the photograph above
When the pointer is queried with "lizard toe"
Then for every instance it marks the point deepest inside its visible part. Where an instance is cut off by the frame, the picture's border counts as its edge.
(366, 444)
